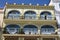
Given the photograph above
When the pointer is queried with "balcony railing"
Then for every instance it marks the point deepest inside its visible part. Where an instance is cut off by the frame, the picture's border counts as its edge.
(31, 18)
(35, 33)
(27, 35)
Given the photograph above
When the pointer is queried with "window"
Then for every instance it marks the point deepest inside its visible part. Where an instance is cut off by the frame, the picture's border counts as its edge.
(46, 15)
(49, 17)
(30, 15)
(59, 5)
(47, 29)
(56, 1)
(30, 29)
(14, 14)
(12, 29)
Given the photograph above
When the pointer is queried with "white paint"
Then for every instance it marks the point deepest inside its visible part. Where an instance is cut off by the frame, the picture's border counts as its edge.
(51, 3)
(1, 18)
(56, 3)
(58, 31)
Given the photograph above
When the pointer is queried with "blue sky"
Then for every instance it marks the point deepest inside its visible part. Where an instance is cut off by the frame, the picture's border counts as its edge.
(34, 2)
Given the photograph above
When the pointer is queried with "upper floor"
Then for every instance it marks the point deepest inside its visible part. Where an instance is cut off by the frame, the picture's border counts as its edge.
(1, 16)
(29, 12)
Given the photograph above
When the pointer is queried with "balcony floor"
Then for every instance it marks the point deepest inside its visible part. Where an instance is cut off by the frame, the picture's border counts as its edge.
(37, 35)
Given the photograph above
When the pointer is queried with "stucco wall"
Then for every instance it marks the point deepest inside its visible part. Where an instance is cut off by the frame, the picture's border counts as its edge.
(1, 17)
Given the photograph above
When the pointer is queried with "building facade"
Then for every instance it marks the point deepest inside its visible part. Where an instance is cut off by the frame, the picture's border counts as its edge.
(56, 4)
(28, 22)
(1, 21)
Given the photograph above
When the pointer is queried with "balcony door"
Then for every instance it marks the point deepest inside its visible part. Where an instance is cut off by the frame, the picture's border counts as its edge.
(30, 29)
(14, 14)
(47, 29)
(45, 15)
(30, 15)
(12, 29)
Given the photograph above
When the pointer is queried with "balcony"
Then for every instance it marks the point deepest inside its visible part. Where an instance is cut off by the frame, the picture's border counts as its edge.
(22, 19)
(23, 35)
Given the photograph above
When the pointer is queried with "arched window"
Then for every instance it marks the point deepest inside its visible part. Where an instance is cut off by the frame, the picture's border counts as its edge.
(12, 29)
(30, 29)
(46, 15)
(30, 15)
(14, 14)
(47, 29)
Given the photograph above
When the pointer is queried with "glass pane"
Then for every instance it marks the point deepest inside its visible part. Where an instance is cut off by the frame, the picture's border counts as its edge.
(47, 30)
(49, 17)
(30, 15)
(12, 29)
(59, 5)
(14, 15)
(46, 15)
(32, 30)
(42, 17)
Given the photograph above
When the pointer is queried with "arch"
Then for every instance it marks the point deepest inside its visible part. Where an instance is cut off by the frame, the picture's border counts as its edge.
(50, 25)
(13, 14)
(12, 29)
(30, 15)
(30, 29)
(45, 12)
(47, 29)
(46, 15)
(30, 26)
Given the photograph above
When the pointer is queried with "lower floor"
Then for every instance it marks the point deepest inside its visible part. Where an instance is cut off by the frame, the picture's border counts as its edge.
(29, 29)
(30, 37)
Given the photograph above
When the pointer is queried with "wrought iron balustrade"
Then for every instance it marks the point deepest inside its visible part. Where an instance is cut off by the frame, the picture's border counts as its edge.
(31, 18)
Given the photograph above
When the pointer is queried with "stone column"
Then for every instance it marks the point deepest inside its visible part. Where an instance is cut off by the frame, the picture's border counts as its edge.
(41, 38)
(20, 38)
(38, 31)
(37, 38)
(3, 38)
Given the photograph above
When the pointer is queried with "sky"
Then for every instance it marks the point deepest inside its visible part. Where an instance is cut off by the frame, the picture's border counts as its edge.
(33, 2)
